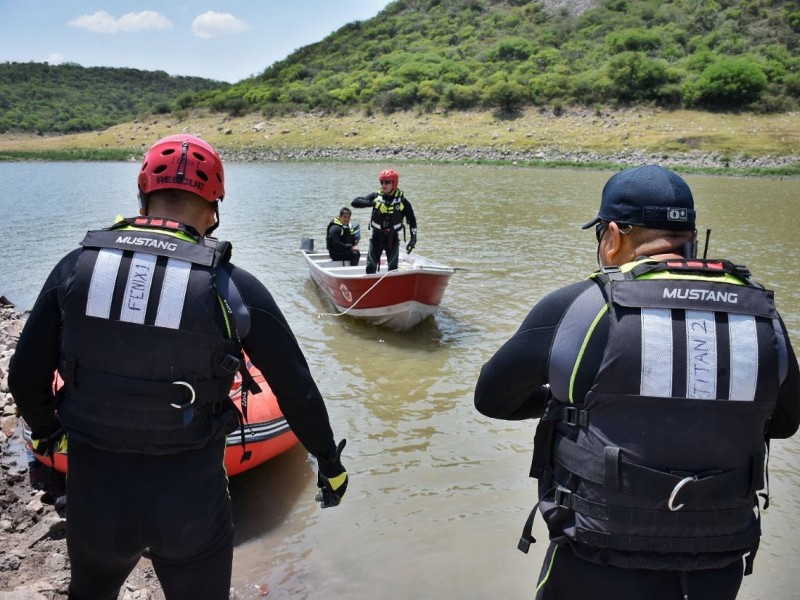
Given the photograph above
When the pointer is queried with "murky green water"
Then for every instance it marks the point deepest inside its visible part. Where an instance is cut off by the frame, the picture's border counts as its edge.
(438, 494)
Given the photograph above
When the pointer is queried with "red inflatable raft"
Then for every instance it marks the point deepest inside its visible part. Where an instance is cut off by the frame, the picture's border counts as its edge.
(266, 431)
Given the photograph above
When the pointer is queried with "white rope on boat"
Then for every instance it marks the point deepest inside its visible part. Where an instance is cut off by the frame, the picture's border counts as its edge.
(364, 295)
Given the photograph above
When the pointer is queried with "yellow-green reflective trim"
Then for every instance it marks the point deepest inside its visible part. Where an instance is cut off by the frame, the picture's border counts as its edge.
(726, 277)
(585, 342)
(549, 568)
(176, 234)
(224, 306)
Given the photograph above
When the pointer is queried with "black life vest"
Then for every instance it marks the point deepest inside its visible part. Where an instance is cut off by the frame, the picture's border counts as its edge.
(659, 465)
(387, 213)
(346, 234)
(146, 365)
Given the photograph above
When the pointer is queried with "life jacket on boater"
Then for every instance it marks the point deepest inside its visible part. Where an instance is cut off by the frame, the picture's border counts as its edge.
(346, 234)
(146, 367)
(387, 213)
(659, 466)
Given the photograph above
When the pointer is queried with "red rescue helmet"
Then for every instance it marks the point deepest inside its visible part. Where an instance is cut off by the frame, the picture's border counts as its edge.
(391, 175)
(183, 162)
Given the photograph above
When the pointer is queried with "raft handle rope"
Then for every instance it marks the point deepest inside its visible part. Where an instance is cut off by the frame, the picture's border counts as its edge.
(364, 295)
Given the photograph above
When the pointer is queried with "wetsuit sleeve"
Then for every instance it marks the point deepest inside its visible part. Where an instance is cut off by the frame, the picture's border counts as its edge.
(411, 218)
(274, 350)
(364, 201)
(35, 360)
(511, 385)
(786, 418)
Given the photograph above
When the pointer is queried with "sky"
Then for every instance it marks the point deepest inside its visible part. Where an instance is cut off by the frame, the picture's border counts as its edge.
(225, 40)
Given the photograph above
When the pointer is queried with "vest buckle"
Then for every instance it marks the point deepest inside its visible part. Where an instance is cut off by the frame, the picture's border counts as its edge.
(230, 364)
(563, 497)
(574, 417)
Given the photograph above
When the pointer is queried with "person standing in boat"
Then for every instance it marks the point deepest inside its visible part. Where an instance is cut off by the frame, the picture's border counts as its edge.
(658, 383)
(341, 239)
(390, 208)
(146, 324)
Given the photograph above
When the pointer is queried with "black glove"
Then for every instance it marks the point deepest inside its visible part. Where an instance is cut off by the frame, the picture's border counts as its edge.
(413, 242)
(331, 477)
(47, 444)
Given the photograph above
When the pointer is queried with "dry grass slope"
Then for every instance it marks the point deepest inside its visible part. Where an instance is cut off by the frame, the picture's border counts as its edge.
(654, 132)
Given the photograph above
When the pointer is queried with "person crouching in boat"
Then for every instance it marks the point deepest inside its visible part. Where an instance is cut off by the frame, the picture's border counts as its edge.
(146, 323)
(389, 208)
(341, 239)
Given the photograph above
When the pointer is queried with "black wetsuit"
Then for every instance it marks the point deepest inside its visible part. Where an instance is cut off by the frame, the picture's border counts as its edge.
(385, 225)
(514, 385)
(173, 503)
(340, 241)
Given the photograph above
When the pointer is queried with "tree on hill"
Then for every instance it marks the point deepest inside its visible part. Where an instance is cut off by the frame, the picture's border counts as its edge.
(429, 54)
(464, 54)
(43, 98)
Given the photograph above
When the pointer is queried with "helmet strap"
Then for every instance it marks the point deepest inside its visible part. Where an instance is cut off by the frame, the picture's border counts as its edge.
(211, 229)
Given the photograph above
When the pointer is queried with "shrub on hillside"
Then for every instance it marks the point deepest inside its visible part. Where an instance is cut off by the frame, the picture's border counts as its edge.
(727, 83)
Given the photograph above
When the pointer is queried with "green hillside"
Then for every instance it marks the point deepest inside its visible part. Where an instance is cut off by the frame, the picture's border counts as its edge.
(457, 55)
(42, 98)
(508, 54)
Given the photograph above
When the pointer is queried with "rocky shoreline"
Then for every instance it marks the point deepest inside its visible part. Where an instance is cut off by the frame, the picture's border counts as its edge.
(542, 157)
(33, 549)
(720, 143)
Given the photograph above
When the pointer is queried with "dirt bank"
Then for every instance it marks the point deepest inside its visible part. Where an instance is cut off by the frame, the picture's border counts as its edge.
(681, 139)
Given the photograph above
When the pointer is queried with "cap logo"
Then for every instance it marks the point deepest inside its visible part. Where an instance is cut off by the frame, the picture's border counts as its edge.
(677, 214)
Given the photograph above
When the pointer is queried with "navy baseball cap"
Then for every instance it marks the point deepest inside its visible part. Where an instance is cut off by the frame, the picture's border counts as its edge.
(649, 196)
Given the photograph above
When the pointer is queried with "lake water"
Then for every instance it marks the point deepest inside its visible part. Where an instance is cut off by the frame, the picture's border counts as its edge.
(438, 494)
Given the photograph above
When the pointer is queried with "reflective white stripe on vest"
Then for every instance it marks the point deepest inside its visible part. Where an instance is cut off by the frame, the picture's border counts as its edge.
(173, 293)
(656, 353)
(101, 288)
(701, 355)
(137, 288)
(744, 357)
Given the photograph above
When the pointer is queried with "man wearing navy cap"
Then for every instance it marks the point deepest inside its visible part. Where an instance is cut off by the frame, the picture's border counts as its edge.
(658, 383)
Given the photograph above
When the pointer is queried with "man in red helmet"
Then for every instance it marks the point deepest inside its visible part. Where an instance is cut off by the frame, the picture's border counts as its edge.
(389, 208)
(146, 324)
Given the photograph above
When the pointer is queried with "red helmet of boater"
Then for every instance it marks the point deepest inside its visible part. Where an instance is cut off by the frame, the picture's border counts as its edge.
(390, 175)
(182, 162)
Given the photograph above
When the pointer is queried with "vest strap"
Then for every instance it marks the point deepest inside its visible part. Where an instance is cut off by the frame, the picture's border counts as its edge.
(571, 414)
(526, 539)
(229, 291)
(153, 242)
(613, 473)
(683, 545)
(650, 518)
(569, 337)
(204, 392)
